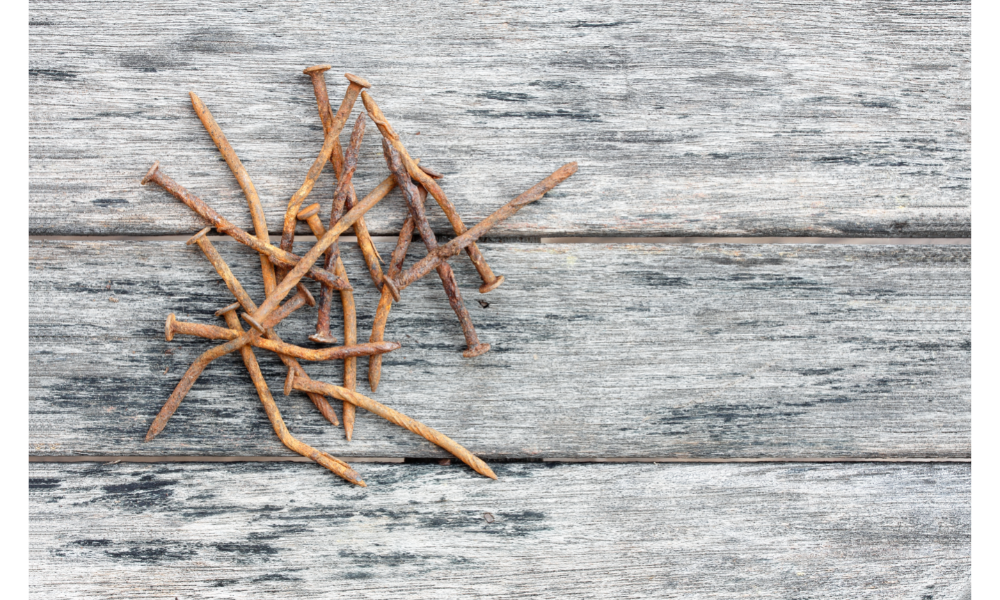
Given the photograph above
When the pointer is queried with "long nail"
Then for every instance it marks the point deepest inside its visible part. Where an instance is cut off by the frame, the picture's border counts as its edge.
(190, 377)
(267, 328)
(315, 73)
(385, 302)
(285, 259)
(453, 247)
(398, 418)
(410, 194)
(490, 280)
(243, 178)
(335, 465)
(330, 139)
(307, 261)
(214, 332)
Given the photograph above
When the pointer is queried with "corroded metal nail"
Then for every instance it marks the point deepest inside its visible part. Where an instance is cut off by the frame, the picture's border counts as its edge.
(215, 332)
(410, 194)
(337, 466)
(490, 280)
(453, 247)
(243, 299)
(243, 178)
(398, 418)
(390, 293)
(190, 377)
(286, 259)
(330, 139)
(307, 261)
(310, 215)
(326, 115)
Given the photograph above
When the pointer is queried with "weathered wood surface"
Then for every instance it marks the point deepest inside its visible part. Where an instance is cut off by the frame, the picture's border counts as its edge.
(723, 118)
(558, 531)
(792, 351)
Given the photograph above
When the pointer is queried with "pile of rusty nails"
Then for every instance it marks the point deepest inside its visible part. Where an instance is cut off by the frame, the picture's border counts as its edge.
(283, 271)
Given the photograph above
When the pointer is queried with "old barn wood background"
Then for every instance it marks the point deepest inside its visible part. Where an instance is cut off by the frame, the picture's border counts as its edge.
(705, 420)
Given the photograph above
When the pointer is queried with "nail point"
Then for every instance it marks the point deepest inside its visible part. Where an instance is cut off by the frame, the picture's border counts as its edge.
(226, 309)
(194, 238)
(289, 382)
(489, 287)
(253, 322)
(308, 297)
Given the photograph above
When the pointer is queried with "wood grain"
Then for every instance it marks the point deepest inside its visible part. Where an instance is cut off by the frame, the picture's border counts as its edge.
(558, 531)
(815, 118)
(685, 351)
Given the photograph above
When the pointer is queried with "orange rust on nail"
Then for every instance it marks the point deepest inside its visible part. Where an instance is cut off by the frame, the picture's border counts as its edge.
(278, 256)
(243, 178)
(337, 466)
(389, 134)
(398, 418)
(410, 194)
(390, 293)
(453, 247)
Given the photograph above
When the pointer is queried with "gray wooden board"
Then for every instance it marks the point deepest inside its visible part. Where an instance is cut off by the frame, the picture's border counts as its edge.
(725, 118)
(791, 351)
(558, 531)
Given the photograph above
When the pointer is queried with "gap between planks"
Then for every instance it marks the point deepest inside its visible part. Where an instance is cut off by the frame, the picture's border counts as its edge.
(556, 240)
(396, 460)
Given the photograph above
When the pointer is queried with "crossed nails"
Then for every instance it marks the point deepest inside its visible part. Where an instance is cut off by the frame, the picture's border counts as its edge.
(282, 271)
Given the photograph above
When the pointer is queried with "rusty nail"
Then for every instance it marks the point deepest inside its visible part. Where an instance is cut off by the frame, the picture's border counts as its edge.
(390, 293)
(453, 247)
(243, 178)
(315, 73)
(285, 259)
(337, 466)
(215, 332)
(243, 299)
(447, 276)
(490, 280)
(428, 433)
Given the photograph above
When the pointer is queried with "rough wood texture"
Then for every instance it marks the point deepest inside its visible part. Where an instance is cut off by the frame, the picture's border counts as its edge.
(722, 118)
(598, 351)
(558, 531)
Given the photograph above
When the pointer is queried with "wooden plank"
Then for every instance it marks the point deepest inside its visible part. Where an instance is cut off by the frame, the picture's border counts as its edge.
(558, 531)
(814, 118)
(786, 351)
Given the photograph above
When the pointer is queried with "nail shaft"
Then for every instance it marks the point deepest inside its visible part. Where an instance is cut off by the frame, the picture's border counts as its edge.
(335, 465)
(490, 280)
(285, 259)
(306, 262)
(385, 302)
(247, 303)
(398, 418)
(453, 247)
(243, 178)
(410, 194)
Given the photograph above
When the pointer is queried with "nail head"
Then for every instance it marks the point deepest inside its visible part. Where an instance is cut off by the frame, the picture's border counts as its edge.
(150, 173)
(489, 287)
(357, 80)
(393, 290)
(476, 351)
(169, 329)
(253, 322)
(316, 69)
